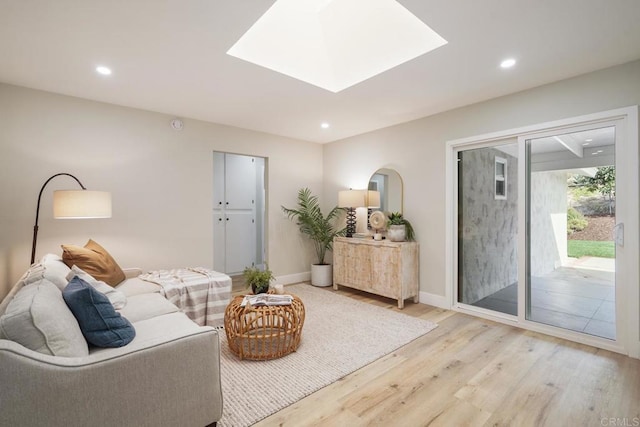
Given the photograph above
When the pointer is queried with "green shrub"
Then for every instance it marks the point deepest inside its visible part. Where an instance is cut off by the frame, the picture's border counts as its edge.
(575, 221)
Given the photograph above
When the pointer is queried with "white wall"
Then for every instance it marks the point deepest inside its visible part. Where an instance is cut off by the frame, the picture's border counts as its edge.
(160, 179)
(417, 150)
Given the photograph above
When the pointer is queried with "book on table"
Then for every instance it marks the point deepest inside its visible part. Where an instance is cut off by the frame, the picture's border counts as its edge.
(262, 300)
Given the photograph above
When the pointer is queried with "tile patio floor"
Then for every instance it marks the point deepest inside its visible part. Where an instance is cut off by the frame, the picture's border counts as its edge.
(579, 297)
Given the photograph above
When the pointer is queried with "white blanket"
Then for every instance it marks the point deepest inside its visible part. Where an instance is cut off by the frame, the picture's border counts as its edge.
(200, 293)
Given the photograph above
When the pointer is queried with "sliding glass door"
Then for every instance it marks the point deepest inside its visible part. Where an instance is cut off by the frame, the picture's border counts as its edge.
(571, 220)
(488, 227)
(538, 219)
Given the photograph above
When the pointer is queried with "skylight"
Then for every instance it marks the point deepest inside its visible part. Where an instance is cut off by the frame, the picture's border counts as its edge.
(335, 44)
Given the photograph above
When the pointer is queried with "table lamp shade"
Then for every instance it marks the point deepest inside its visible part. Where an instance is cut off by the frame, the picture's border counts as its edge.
(74, 204)
(373, 199)
(351, 198)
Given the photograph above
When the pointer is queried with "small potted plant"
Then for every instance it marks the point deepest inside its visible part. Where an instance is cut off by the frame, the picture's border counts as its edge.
(258, 279)
(399, 229)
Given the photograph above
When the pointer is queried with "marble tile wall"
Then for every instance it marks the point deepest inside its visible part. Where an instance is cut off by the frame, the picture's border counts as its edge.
(488, 228)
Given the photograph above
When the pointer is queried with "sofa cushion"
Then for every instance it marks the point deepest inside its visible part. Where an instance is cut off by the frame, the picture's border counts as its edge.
(101, 325)
(151, 332)
(95, 260)
(117, 298)
(38, 318)
(137, 286)
(146, 306)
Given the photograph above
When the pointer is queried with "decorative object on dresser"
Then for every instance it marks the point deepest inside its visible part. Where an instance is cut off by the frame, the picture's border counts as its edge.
(73, 204)
(320, 229)
(350, 200)
(384, 268)
(378, 222)
(399, 228)
(259, 280)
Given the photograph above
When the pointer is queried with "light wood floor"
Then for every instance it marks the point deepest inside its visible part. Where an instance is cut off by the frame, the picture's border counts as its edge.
(474, 372)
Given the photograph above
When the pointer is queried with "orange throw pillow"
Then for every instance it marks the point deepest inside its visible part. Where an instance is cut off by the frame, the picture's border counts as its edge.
(95, 260)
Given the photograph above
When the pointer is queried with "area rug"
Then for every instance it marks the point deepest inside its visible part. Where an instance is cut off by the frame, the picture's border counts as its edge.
(340, 336)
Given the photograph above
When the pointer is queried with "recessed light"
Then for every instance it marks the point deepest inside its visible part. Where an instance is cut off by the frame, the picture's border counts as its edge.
(584, 144)
(324, 125)
(105, 71)
(508, 63)
(589, 140)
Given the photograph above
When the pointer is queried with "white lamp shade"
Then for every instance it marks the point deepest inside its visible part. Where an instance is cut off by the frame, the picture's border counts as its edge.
(373, 199)
(351, 198)
(75, 204)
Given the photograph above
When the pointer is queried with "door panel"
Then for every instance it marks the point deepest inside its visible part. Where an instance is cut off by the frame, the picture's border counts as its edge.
(488, 227)
(571, 216)
(218, 180)
(241, 241)
(219, 242)
(240, 182)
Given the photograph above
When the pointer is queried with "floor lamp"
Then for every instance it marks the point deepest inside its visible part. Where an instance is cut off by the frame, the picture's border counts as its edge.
(73, 204)
(351, 199)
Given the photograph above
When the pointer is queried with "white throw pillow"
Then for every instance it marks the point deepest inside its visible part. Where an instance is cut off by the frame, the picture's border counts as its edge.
(39, 319)
(55, 270)
(117, 298)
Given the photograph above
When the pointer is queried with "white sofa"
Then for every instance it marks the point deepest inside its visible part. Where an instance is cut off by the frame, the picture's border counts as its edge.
(169, 375)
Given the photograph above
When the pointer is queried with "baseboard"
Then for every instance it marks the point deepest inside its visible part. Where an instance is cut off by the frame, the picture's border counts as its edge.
(434, 300)
(293, 278)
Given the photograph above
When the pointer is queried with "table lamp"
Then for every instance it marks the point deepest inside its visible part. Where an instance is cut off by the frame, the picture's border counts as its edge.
(372, 201)
(351, 199)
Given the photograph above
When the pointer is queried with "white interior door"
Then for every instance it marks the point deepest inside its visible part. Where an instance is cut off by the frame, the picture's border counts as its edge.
(238, 214)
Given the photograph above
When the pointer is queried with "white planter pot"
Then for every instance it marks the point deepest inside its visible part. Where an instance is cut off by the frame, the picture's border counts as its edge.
(396, 233)
(321, 275)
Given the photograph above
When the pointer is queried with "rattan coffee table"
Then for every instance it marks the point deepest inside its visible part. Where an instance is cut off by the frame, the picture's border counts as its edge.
(263, 333)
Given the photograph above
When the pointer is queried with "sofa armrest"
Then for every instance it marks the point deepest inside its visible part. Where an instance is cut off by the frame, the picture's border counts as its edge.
(131, 272)
(171, 382)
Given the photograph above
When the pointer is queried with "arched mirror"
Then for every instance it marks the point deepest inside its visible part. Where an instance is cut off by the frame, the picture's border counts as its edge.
(389, 183)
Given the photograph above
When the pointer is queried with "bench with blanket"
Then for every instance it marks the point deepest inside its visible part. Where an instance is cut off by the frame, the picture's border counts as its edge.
(200, 293)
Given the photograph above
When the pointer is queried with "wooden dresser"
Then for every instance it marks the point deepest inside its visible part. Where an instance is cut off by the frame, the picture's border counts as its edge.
(386, 268)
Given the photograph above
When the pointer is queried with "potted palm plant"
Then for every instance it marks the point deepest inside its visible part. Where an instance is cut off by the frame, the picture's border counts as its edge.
(399, 229)
(320, 229)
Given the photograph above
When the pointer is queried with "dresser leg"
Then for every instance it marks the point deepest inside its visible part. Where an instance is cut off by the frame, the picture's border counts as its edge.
(400, 303)
(416, 299)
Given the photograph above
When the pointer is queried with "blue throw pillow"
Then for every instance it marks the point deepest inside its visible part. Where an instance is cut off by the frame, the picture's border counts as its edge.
(99, 322)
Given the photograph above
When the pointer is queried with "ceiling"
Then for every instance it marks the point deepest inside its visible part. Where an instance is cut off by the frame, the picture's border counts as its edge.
(170, 56)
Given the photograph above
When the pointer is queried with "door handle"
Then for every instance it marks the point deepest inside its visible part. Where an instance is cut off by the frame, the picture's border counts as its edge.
(618, 234)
